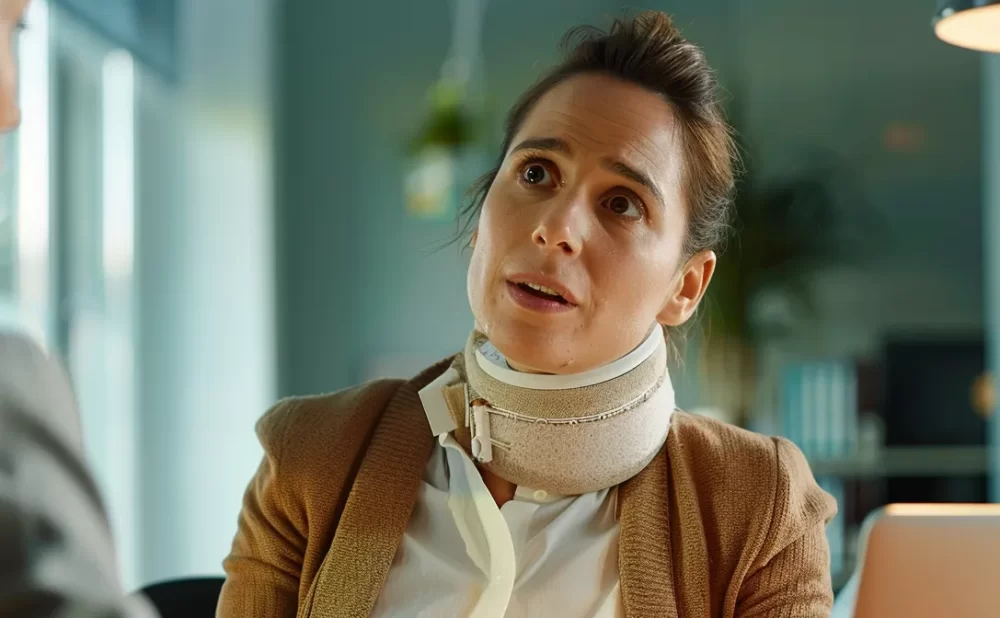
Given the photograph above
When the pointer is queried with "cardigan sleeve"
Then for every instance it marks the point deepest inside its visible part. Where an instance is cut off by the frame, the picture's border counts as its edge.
(265, 563)
(790, 577)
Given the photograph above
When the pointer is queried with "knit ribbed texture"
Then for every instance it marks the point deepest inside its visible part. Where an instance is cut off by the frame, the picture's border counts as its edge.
(645, 562)
(395, 461)
(722, 523)
(292, 506)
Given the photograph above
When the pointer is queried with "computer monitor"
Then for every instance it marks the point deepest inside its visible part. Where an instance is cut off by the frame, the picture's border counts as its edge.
(931, 561)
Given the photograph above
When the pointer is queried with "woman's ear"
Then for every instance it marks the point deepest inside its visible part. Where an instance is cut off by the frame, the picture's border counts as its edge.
(692, 282)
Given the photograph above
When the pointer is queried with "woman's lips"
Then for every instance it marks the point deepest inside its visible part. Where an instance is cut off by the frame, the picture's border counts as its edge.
(544, 283)
(537, 301)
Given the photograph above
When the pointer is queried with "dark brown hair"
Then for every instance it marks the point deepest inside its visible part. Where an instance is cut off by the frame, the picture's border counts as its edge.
(649, 51)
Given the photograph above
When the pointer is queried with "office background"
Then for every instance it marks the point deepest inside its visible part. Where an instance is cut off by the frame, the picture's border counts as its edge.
(211, 205)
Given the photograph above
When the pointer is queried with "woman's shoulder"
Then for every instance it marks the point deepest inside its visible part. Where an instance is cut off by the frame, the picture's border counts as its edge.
(311, 428)
(323, 419)
(754, 504)
(768, 476)
(706, 439)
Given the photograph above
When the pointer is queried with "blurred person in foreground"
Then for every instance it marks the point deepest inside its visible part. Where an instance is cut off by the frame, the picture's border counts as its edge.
(56, 552)
(544, 471)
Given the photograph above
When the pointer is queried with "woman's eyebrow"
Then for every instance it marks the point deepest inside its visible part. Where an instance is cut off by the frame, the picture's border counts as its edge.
(623, 169)
(544, 143)
(613, 165)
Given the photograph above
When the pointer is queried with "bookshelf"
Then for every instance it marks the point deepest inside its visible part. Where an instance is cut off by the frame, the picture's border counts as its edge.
(905, 426)
(906, 462)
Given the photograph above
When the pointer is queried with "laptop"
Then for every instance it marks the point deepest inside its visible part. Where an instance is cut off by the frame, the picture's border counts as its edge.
(930, 561)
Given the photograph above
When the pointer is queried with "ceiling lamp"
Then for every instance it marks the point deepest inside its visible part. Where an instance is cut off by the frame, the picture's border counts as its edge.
(973, 24)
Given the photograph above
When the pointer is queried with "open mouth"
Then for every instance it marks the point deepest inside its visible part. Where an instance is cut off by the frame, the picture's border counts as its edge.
(542, 292)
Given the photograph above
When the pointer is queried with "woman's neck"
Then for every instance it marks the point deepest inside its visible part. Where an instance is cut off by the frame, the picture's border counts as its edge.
(501, 489)
(518, 367)
(518, 374)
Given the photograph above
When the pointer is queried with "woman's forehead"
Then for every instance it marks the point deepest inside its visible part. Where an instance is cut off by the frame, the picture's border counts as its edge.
(601, 116)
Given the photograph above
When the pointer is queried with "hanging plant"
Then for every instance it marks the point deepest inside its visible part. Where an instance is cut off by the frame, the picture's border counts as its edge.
(449, 124)
(451, 128)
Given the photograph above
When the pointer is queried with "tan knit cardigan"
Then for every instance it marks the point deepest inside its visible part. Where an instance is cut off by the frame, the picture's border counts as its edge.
(723, 523)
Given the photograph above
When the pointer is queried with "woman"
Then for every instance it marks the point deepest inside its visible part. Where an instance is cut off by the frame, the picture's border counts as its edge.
(543, 471)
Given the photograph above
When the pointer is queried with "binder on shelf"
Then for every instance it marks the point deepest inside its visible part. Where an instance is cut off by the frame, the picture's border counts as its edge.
(819, 407)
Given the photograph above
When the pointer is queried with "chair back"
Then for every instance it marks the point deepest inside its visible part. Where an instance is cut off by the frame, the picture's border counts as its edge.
(194, 597)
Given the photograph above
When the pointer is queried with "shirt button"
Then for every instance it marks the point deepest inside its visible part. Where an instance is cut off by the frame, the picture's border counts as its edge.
(541, 495)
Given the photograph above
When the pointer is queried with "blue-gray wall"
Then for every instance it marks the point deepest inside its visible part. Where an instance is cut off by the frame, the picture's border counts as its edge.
(205, 267)
(358, 282)
(357, 285)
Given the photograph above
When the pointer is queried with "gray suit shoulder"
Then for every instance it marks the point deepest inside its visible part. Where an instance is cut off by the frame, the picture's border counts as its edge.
(35, 383)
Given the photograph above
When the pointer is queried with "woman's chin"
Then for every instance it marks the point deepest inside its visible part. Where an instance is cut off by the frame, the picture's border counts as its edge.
(535, 352)
(525, 368)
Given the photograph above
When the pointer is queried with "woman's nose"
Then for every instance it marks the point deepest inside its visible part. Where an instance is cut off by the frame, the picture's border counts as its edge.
(563, 227)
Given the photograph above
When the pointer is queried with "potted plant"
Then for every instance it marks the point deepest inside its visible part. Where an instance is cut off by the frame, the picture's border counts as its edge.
(785, 230)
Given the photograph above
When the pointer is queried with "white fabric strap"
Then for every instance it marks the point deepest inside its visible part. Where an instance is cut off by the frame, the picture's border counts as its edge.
(435, 406)
(482, 443)
(493, 363)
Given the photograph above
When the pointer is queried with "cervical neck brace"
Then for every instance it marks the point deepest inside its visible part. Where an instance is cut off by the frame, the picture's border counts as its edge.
(491, 361)
(566, 434)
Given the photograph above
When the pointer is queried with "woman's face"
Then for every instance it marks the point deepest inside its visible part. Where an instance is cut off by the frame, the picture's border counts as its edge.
(11, 12)
(588, 204)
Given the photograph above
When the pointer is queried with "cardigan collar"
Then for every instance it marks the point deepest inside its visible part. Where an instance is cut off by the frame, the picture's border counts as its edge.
(354, 571)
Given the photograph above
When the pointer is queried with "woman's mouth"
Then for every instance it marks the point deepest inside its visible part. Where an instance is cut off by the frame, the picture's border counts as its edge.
(537, 297)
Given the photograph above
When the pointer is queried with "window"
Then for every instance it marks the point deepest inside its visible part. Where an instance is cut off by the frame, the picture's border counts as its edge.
(66, 239)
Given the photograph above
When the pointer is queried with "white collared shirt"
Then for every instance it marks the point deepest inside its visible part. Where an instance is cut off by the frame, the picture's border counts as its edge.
(538, 555)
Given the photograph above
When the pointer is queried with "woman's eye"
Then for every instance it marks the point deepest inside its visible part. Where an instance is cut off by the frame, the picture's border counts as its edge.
(536, 174)
(624, 206)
